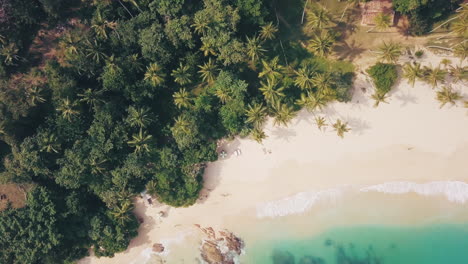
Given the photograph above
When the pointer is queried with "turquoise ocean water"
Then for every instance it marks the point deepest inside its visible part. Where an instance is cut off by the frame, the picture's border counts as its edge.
(373, 244)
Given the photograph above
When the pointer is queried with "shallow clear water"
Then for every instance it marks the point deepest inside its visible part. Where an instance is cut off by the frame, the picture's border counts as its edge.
(432, 244)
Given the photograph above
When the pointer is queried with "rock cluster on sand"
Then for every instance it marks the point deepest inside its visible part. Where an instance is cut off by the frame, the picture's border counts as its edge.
(223, 248)
(158, 248)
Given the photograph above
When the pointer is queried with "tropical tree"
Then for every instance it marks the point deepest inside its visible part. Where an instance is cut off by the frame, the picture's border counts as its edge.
(35, 95)
(304, 78)
(458, 73)
(208, 71)
(256, 114)
(412, 71)
(208, 47)
(434, 75)
(122, 212)
(97, 165)
(100, 25)
(258, 135)
(70, 43)
(382, 21)
(182, 75)
(268, 31)
(154, 74)
(323, 82)
(10, 53)
(139, 117)
(312, 101)
(223, 94)
(49, 143)
(341, 127)
(350, 3)
(378, 98)
(95, 51)
(201, 24)
(270, 91)
(283, 113)
(254, 48)
(447, 95)
(461, 50)
(271, 69)
(321, 44)
(91, 97)
(318, 18)
(140, 141)
(182, 98)
(67, 108)
(390, 52)
(320, 122)
(460, 27)
(151, 188)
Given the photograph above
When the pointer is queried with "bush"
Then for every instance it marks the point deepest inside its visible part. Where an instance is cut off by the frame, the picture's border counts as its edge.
(384, 76)
(419, 54)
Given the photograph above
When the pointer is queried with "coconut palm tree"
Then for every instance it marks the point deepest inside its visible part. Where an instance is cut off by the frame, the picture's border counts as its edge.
(305, 101)
(379, 98)
(304, 78)
(390, 52)
(181, 125)
(268, 31)
(91, 97)
(321, 44)
(271, 69)
(201, 24)
(258, 135)
(320, 122)
(458, 73)
(70, 43)
(182, 98)
(100, 25)
(283, 113)
(256, 114)
(208, 47)
(447, 95)
(341, 128)
(140, 141)
(49, 143)
(95, 51)
(382, 21)
(318, 18)
(271, 93)
(461, 50)
(35, 95)
(254, 48)
(10, 53)
(182, 75)
(67, 108)
(434, 75)
(97, 165)
(412, 71)
(208, 71)
(323, 82)
(139, 117)
(460, 27)
(151, 188)
(154, 74)
(122, 213)
(223, 94)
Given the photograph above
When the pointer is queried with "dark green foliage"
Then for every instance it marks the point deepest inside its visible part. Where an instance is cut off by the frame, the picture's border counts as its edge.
(384, 76)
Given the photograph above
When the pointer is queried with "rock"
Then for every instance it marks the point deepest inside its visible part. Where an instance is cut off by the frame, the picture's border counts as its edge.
(158, 247)
(211, 253)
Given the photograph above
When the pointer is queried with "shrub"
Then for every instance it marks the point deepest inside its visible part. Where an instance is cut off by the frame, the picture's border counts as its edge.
(384, 76)
(419, 54)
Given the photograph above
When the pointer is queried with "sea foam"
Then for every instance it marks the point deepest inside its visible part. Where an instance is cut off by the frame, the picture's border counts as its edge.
(296, 204)
(454, 191)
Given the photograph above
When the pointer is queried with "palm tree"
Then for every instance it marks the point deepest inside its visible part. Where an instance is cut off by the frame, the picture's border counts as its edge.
(35, 95)
(100, 25)
(9, 52)
(379, 97)
(201, 24)
(139, 117)
(412, 71)
(182, 98)
(182, 75)
(268, 31)
(49, 143)
(304, 78)
(208, 71)
(321, 44)
(258, 135)
(318, 18)
(270, 92)
(154, 74)
(140, 141)
(181, 125)
(151, 188)
(254, 48)
(223, 94)
(90, 97)
(341, 128)
(460, 27)
(323, 82)
(461, 50)
(382, 21)
(208, 46)
(458, 73)
(283, 113)
(67, 108)
(390, 52)
(271, 69)
(96, 165)
(320, 122)
(122, 213)
(71, 43)
(256, 114)
(350, 2)
(434, 75)
(447, 95)
(95, 51)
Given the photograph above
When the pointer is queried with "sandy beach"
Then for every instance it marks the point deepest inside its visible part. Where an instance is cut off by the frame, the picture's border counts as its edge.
(408, 147)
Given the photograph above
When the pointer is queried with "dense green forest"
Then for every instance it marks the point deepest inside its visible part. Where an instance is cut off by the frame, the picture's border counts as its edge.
(136, 97)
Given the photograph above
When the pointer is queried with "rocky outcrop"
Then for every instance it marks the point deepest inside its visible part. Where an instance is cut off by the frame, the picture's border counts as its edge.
(158, 248)
(221, 247)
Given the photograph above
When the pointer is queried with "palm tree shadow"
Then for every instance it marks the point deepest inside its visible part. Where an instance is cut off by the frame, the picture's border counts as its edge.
(283, 133)
(358, 125)
(305, 116)
(406, 98)
(349, 50)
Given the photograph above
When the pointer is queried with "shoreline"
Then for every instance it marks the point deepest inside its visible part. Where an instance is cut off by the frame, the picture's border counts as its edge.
(408, 140)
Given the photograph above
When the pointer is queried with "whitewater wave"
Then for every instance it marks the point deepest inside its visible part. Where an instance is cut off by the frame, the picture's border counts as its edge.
(454, 191)
(296, 204)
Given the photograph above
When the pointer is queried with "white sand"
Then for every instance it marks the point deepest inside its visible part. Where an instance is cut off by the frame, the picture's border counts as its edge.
(409, 141)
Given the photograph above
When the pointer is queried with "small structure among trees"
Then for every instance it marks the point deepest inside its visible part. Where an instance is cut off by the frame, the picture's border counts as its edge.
(372, 9)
